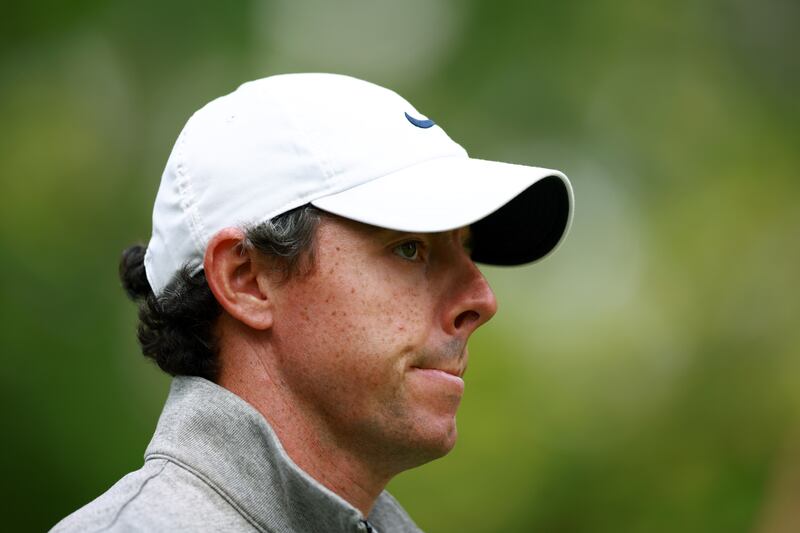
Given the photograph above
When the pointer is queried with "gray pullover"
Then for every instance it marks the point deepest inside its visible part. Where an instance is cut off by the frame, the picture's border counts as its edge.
(214, 464)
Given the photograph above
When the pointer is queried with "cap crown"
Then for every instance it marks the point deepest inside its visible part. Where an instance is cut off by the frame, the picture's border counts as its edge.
(275, 144)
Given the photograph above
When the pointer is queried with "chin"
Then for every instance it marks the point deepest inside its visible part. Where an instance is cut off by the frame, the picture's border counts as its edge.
(436, 441)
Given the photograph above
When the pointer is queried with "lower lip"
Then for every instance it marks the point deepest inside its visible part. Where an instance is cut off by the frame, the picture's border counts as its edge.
(441, 377)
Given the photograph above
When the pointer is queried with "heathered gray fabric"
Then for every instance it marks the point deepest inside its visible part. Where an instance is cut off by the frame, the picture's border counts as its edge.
(214, 464)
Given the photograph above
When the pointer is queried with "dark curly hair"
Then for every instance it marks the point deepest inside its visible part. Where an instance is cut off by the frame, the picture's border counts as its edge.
(176, 328)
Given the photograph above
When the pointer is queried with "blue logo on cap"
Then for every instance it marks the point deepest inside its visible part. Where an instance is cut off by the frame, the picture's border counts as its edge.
(420, 123)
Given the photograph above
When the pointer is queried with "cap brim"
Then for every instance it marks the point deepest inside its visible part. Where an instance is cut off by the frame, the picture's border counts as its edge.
(518, 214)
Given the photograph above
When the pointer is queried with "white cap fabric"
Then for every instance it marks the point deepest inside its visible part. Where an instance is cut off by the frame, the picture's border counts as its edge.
(351, 148)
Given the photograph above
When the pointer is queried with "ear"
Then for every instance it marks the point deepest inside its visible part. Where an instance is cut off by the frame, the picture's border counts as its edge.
(233, 276)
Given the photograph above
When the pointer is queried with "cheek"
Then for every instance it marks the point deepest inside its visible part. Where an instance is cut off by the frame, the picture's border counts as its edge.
(335, 334)
(371, 308)
(353, 327)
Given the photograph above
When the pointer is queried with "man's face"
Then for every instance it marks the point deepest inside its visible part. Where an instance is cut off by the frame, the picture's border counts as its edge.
(372, 343)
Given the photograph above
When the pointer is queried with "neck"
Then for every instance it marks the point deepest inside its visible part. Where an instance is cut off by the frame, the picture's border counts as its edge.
(304, 436)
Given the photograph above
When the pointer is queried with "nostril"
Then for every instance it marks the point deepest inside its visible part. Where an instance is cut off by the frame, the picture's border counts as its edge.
(466, 319)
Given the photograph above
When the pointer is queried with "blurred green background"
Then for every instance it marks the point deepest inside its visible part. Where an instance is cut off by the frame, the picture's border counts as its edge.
(643, 379)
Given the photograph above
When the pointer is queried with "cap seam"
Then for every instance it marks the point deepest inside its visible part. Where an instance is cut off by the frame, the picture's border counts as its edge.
(321, 162)
(185, 193)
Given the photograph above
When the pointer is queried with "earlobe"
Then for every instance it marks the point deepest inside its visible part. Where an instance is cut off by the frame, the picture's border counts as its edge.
(232, 273)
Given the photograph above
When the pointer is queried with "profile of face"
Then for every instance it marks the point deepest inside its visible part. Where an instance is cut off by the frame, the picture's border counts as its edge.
(372, 343)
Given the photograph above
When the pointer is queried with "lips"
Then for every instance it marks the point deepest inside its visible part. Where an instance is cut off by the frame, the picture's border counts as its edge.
(457, 372)
(440, 379)
(443, 370)
(450, 359)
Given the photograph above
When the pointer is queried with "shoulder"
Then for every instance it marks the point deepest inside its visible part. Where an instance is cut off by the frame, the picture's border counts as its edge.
(161, 496)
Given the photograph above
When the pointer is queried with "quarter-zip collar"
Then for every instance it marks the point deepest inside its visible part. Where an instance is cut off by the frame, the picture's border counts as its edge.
(223, 440)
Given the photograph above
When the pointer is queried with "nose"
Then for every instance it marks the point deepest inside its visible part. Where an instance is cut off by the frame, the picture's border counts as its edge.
(473, 302)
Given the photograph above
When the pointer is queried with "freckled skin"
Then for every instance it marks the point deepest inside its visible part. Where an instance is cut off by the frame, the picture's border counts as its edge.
(368, 316)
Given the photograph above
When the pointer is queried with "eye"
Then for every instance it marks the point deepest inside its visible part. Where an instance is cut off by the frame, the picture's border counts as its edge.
(408, 250)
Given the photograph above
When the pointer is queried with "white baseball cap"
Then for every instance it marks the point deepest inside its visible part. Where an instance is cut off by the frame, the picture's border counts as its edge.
(351, 148)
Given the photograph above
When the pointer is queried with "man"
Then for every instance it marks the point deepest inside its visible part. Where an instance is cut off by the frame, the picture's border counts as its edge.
(310, 283)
